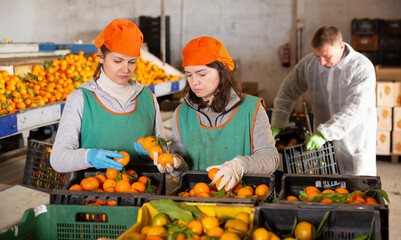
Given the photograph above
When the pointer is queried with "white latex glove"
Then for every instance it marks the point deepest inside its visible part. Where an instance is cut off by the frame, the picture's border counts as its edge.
(179, 164)
(231, 171)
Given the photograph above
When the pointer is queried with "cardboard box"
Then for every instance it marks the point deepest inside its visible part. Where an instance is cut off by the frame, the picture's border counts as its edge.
(397, 118)
(396, 142)
(384, 118)
(365, 43)
(383, 142)
(397, 94)
(22, 69)
(385, 94)
(388, 73)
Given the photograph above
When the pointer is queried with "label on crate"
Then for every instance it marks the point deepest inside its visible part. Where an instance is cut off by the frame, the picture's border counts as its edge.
(39, 210)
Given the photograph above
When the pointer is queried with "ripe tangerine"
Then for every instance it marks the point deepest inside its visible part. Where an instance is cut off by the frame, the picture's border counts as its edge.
(125, 160)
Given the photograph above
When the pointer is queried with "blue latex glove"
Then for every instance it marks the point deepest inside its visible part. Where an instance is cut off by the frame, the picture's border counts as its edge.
(276, 130)
(142, 153)
(100, 158)
(315, 141)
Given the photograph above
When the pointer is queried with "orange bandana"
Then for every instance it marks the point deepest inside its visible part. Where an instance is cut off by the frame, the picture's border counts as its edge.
(205, 50)
(121, 36)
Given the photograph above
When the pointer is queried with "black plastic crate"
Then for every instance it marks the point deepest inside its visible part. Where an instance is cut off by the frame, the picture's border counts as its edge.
(390, 27)
(66, 196)
(390, 58)
(38, 173)
(322, 161)
(372, 56)
(292, 184)
(365, 26)
(189, 179)
(340, 224)
(390, 43)
(151, 29)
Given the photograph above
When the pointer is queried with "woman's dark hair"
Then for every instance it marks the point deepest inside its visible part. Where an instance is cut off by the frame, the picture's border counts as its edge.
(222, 93)
(104, 50)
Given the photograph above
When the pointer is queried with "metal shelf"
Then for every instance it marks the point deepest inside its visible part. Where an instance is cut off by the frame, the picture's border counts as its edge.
(31, 118)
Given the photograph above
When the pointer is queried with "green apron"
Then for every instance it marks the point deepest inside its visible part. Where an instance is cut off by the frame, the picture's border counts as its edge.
(104, 129)
(207, 146)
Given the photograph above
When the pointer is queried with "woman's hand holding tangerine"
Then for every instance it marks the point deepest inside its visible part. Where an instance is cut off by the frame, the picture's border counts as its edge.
(142, 152)
(231, 171)
(169, 163)
(100, 158)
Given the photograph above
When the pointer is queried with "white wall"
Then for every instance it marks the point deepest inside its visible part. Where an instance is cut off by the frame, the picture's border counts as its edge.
(252, 30)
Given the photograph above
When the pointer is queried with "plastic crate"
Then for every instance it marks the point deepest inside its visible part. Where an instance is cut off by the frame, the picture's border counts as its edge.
(72, 222)
(38, 173)
(66, 196)
(340, 224)
(321, 161)
(292, 184)
(189, 179)
(219, 210)
(372, 56)
(390, 43)
(390, 58)
(390, 27)
(365, 26)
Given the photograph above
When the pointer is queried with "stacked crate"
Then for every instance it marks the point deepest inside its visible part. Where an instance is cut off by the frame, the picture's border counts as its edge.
(390, 42)
(365, 38)
(388, 101)
(378, 39)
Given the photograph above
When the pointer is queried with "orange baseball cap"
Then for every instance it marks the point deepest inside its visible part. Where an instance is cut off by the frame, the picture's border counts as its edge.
(121, 36)
(205, 50)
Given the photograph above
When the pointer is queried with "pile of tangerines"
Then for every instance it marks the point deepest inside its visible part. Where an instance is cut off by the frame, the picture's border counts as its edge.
(211, 228)
(208, 227)
(339, 195)
(146, 73)
(46, 84)
(54, 80)
(125, 181)
(239, 191)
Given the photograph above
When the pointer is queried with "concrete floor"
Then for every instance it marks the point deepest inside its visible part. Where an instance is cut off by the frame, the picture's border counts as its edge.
(15, 199)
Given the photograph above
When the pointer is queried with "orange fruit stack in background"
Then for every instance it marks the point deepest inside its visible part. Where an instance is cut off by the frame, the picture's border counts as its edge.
(146, 73)
(46, 84)
(54, 80)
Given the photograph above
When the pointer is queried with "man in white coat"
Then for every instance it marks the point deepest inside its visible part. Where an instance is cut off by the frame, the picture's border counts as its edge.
(341, 83)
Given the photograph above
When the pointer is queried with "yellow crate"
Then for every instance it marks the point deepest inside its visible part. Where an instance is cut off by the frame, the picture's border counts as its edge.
(219, 210)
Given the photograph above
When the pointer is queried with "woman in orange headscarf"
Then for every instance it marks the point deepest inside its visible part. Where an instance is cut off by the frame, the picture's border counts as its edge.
(111, 111)
(218, 124)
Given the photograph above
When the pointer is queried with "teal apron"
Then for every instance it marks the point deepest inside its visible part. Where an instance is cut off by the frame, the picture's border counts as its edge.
(104, 129)
(207, 146)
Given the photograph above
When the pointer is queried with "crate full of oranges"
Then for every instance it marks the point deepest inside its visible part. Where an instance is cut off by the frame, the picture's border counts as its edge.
(129, 187)
(194, 186)
(332, 189)
(166, 219)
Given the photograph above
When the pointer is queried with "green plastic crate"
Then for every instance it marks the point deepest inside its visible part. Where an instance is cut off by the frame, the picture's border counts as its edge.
(73, 222)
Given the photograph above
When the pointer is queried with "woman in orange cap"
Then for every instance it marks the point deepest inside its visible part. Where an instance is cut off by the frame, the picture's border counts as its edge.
(218, 124)
(109, 112)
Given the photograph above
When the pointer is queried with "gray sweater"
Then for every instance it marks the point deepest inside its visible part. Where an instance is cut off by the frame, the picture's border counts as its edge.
(66, 155)
(265, 159)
